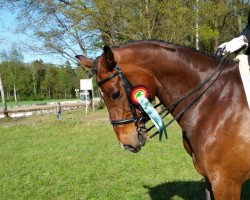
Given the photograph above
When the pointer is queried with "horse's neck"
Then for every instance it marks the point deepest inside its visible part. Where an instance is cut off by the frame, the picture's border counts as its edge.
(177, 77)
(176, 71)
(179, 74)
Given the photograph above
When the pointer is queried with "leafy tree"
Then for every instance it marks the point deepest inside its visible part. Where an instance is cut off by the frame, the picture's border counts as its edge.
(67, 79)
(218, 21)
(49, 81)
(13, 60)
(24, 81)
(70, 27)
(37, 69)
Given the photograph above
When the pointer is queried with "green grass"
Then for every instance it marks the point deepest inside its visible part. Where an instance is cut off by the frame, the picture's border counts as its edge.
(79, 158)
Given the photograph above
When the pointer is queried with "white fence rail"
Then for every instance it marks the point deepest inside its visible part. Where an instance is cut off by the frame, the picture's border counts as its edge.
(23, 111)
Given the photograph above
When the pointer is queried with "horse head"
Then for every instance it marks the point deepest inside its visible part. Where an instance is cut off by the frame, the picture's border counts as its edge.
(116, 80)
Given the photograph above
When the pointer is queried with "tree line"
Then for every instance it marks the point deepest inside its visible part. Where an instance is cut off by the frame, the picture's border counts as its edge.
(38, 80)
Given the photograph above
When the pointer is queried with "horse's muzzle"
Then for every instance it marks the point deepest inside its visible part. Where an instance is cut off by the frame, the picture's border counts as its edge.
(137, 148)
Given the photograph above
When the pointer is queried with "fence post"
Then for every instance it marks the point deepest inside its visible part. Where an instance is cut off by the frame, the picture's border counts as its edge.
(3, 99)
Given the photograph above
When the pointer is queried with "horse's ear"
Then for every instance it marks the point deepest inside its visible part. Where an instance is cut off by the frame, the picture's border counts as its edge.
(86, 62)
(109, 58)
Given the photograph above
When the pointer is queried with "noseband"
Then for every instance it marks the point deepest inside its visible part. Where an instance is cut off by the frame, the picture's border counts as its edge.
(128, 88)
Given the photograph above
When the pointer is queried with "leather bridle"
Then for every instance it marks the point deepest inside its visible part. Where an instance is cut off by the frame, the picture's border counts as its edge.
(127, 87)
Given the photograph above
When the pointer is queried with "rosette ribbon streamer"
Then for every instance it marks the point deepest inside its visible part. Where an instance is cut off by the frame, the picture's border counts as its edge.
(153, 114)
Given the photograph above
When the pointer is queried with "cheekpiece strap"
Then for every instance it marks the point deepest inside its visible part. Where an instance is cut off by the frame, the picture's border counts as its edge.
(107, 79)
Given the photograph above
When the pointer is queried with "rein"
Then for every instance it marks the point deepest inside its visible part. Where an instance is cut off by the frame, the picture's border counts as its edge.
(170, 108)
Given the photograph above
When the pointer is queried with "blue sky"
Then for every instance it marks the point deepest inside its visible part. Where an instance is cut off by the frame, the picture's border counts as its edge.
(9, 37)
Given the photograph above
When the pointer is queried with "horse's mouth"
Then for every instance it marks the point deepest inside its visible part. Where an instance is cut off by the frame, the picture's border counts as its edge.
(142, 141)
(131, 148)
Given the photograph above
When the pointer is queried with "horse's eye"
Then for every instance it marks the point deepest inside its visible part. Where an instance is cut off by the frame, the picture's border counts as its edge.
(115, 95)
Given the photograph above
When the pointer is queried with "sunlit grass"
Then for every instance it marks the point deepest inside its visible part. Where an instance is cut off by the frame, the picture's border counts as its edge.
(79, 158)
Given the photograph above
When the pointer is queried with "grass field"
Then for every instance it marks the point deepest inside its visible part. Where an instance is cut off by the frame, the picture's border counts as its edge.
(79, 158)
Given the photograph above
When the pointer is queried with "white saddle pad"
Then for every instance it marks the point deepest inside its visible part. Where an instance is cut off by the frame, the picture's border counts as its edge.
(244, 69)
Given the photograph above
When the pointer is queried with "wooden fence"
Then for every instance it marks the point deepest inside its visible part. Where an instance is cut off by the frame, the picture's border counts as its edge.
(48, 108)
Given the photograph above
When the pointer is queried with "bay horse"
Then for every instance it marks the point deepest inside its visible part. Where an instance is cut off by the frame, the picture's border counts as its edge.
(216, 128)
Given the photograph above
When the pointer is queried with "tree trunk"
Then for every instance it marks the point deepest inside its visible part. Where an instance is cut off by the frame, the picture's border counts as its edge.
(197, 26)
(239, 19)
(3, 99)
(148, 19)
(49, 92)
(34, 89)
(15, 94)
(216, 39)
(34, 82)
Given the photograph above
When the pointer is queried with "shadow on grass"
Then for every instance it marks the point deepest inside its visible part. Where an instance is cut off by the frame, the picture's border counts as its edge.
(187, 190)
